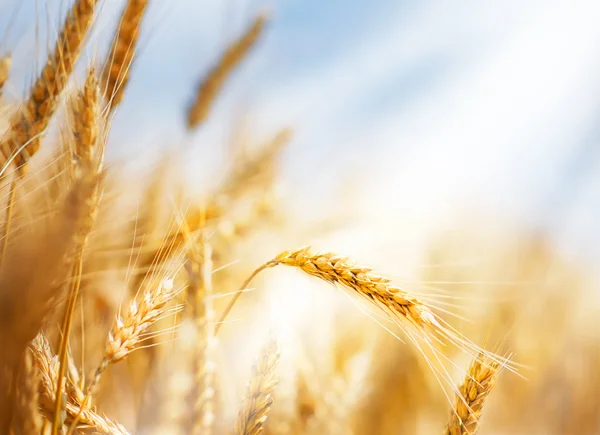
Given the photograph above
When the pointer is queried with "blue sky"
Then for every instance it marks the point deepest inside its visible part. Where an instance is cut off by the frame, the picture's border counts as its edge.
(429, 105)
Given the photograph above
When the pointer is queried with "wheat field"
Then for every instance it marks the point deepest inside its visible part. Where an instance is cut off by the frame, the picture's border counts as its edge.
(132, 304)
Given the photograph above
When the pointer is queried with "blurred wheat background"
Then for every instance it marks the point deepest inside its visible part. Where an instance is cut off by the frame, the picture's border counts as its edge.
(163, 160)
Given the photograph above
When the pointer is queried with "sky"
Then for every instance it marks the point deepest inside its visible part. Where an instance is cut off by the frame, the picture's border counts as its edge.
(427, 108)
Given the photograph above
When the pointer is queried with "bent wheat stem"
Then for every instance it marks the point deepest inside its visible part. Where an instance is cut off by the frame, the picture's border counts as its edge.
(238, 294)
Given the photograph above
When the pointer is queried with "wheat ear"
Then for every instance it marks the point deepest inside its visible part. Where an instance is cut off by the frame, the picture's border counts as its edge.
(128, 332)
(212, 84)
(88, 421)
(85, 109)
(5, 66)
(397, 304)
(116, 70)
(257, 401)
(35, 114)
(256, 170)
(86, 119)
(479, 381)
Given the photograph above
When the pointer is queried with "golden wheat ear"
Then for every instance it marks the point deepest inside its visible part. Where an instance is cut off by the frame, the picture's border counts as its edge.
(339, 270)
(86, 115)
(255, 171)
(212, 84)
(87, 421)
(129, 333)
(23, 137)
(472, 394)
(257, 400)
(5, 66)
(417, 319)
(115, 75)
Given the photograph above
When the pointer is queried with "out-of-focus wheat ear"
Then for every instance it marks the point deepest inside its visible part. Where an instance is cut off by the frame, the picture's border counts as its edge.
(257, 401)
(87, 420)
(397, 379)
(199, 268)
(282, 416)
(26, 419)
(23, 137)
(129, 332)
(305, 403)
(86, 119)
(212, 84)
(468, 407)
(118, 63)
(255, 171)
(5, 66)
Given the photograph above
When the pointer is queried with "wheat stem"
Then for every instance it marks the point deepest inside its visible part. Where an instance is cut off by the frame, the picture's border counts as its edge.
(8, 218)
(200, 274)
(64, 343)
(238, 294)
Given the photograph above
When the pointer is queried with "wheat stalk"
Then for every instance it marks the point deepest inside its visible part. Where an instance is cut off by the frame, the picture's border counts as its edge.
(212, 84)
(257, 401)
(8, 219)
(120, 57)
(200, 289)
(479, 381)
